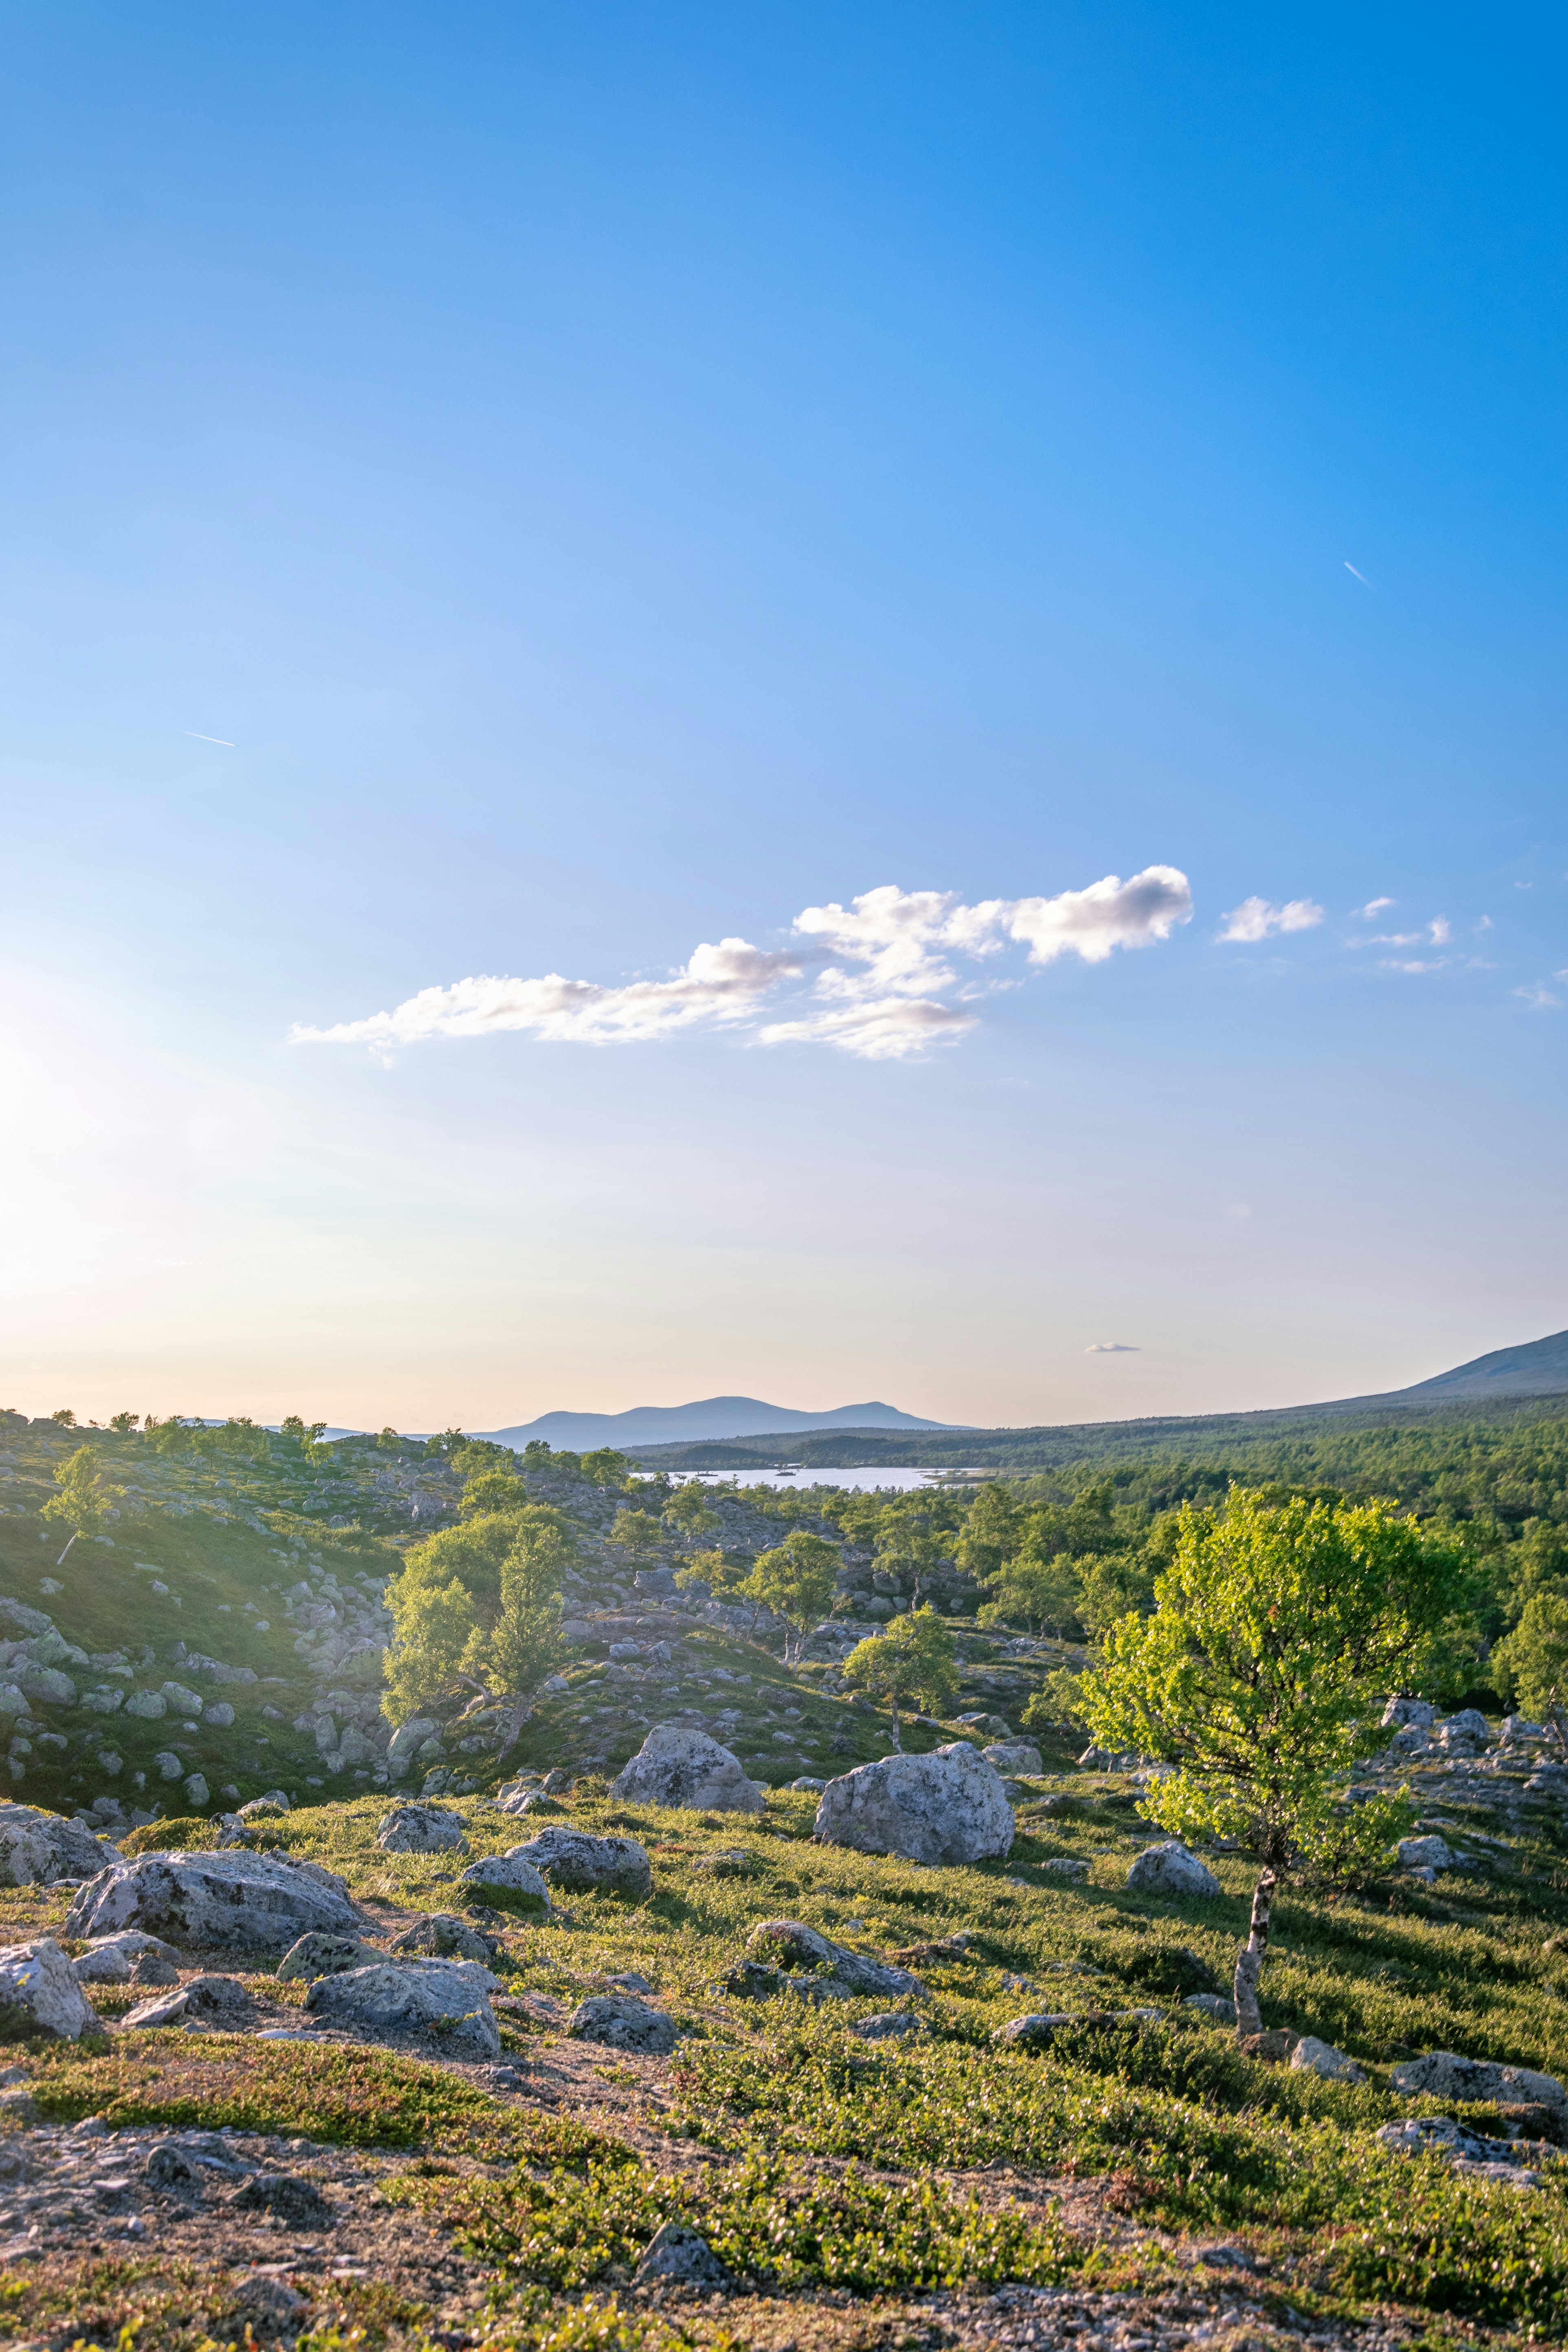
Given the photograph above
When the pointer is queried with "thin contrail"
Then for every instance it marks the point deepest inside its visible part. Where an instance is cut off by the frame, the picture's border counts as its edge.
(207, 739)
(1359, 575)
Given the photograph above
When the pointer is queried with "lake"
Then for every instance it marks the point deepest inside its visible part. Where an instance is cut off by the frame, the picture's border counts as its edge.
(902, 1482)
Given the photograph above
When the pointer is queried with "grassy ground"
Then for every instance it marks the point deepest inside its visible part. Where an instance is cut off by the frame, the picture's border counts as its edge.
(837, 2178)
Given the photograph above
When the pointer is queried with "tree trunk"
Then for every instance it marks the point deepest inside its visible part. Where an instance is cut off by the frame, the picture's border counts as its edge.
(62, 1561)
(898, 1736)
(1250, 1962)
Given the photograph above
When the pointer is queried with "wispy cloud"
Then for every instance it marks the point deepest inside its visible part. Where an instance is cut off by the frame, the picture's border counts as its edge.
(1539, 997)
(1112, 1348)
(882, 967)
(1396, 963)
(1439, 932)
(1373, 906)
(1259, 918)
(220, 739)
(1359, 575)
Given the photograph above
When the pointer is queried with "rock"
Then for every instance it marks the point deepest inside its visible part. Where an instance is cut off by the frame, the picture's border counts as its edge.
(230, 1900)
(685, 1768)
(1401, 1711)
(176, 2172)
(1441, 2135)
(112, 1958)
(1034, 2032)
(1469, 1724)
(268, 2306)
(808, 1781)
(319, 1955)
(1170, 1868)
(790, 1944)
(1067, 1865)
(261, 1809)
(582, 1865)
(679, 2254)
(444, 1936)
(1213, 2005)
(220, 2003)
(1273, 2047)
(421, 1828)
(534, 1803)
(104, 1700)
(1519, 1726)
(44, 1685)
(406, 1741)
(219, 1714)
(1425, 1853)
(1314, 2057)
(197, 1793)
(297, 2204)
(445, 2000)
(150, 1704)
(169, 1765)
(948, 1807)
(181, 1700)
(1015, 1756)
(622, 2023)
(887, 2025)
(37, 1848)
(39, 1994)
(1443, 2074)
(509, 1883)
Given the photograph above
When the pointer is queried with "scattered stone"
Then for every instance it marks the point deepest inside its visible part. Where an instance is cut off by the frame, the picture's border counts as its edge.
(1067, 1865)
(808, 1781)
(1466, 2151)
(220, 2004)
(261, 1808)
(297, 2204)
(174, 2172)
(268, 2306)
(152, 1968)
(231, 1900)
(685, 1768)
(1273, 2048)
(421, 1828)
(319, 1955)
(786, 1944)
(887, 2025)
(112, 1958)
(1443, 2074)
(443, 1936)
(678, 2254)
(947, 1807)
(1034, 2032)
(1402, 1711)
(1213, 2005)
(582, 1865)
(509, 1883)
(1314, 2057)
(39, 1994)
(1425, 1853)
(623, 2022)
(1171, 1868)
(1015, 1756)
(37, 1848)
(448, 2001)
(153, 1704)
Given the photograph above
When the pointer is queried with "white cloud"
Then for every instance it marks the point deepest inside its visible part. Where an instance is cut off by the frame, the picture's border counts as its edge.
(1257, 918)
(1112, 1348)
(1439, 933)
(879, 964)
(1394, 963)
(1373, 906)
(1539, 997)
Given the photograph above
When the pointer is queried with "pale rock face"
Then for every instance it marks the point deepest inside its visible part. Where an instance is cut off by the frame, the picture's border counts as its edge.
(1443, 2074)
(197, 1793)
(37, 1848)
(150, 1704)
(948, 1807)
(421, 1828)
(444, 1936)
(182, 1700)
(678, 2251)
(582, 1865)
(791, 1944)
(218, 2004)
(105, 1700)
(1315, 2057)
(621, 2022)
(219, 1714)
(1015, 1756)
(509, 1881)
(448, 1999)
(408, 1739)
(1171, 1868)
(1402, 1711)
(230, 1900)
(35, 1980)
(687, 1768)
(46, 1684)
(1425, 1853)
(169, 1764)
(325, 1956)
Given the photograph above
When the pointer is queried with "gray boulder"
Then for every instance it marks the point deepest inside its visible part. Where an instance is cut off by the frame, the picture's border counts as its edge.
(1469, 1724)
(1314, 2057)
(443, 1936)
(444, 2000)
(1443, 2074)
(678, 2254)
(1170, 1868)
(1425, 1853)
(687, 1768)
(1214, 2005)
(45, 1685)
(406, 1741)
(948, 1807)
(623, 2022)
(1034, 2032)
(37, 1848)
(582, 1865)
(112, 1959)
(150, 1704)
(421, 1828)
(1067, 1865)
(39, 1994)
(888, 2025)
(790, 1944)
(319, 1955)
(232, 1900)
(1402, 1711)
(1015, 1756)
(509, 1883)
(206, 2004)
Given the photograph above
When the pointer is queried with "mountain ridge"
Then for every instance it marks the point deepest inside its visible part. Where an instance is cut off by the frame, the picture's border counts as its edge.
(725, 1418)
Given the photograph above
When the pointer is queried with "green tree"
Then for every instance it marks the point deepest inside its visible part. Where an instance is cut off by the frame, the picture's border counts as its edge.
(477, 1607)
(991, 1534)
(796, 1580)
(635, 1533)
(723, 1575)
(910, 1549)
(492, 1490)
(535, 1454)
(688, 1510)
(1041, 1595)
(123, 1423)
(911, 1663)
(1530, 1665)
(1273, 1630)
(85, 1498)
(605, 1468)
(65, 1416)
(389, 1440)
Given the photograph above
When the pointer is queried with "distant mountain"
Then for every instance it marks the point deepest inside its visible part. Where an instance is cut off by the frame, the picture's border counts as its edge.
(1538, 1368)
(711, 1417)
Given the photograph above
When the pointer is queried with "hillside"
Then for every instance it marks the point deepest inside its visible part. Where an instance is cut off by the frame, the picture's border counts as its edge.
(708, 1418)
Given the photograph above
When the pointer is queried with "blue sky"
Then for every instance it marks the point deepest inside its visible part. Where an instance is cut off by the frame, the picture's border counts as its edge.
(613, 480)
